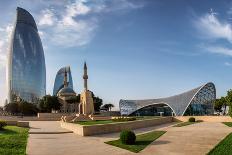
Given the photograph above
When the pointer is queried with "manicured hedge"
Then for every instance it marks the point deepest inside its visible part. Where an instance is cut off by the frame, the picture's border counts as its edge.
(192, 119)
(127, 137)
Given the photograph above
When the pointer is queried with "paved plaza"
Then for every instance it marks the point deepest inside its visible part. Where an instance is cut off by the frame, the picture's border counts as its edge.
(49, 138)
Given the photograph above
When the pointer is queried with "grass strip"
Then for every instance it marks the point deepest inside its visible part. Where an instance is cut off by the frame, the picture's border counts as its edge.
(185, 124)
(142, 140)
(13, 140)
(229, 124)
(95, 122)
(224, 147)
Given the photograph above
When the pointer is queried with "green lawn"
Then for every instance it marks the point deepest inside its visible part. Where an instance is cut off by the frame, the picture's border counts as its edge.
(224, 147)
(111, 121)
(185, 124)
(95, 122)
(142, 141)
(13, 140)
(229, 124)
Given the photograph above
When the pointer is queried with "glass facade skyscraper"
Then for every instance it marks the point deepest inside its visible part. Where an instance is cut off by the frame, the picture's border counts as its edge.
(26, 72)
(59, 81)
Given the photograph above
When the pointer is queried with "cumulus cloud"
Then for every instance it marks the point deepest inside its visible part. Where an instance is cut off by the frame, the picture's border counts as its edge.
(212, 28)
(75, 24)
(47, 18)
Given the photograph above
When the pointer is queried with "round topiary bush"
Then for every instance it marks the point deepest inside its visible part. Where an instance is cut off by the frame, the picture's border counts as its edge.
(2, 124)
(192, 119)
(127, 137)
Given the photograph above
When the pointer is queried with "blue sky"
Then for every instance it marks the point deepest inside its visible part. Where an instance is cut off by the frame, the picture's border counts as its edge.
(135, 49)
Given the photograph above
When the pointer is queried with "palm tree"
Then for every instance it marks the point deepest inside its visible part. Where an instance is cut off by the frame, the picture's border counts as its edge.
(108, 106)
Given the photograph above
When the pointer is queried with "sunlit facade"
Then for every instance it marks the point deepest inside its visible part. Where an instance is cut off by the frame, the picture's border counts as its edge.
(198, 101)
(59, 81)
(26, 72)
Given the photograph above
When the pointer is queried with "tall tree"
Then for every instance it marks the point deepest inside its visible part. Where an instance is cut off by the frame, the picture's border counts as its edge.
(12, 108)
(219, 103)
(27, 108)
(108, 106)
(74, 99)
(97, 102)
(49, 103)
(229, 101)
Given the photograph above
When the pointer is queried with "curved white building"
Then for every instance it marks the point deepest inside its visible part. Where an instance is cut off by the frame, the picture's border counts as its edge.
(198, 101)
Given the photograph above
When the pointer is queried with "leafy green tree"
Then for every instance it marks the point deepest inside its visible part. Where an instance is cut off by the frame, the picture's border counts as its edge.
(219, 103)
(108, 106)
(26, 108)
(97, 102)
(74, 99)
(21, 108)
(229, 101)
(49, 103)
(12, 108)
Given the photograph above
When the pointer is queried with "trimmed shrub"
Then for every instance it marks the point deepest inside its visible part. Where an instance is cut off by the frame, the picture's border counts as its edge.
(127, 137)
(192, 119)
(2, 124)
(124, 119)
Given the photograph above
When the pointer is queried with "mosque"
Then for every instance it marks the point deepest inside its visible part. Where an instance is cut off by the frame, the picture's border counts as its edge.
(85, 107)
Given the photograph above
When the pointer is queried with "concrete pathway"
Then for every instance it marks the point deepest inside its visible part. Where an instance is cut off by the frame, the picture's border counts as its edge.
(194, 139)
(49, 127)
(72, 144)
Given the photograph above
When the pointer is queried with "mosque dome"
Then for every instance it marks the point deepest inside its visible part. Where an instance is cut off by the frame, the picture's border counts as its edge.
(66, 91)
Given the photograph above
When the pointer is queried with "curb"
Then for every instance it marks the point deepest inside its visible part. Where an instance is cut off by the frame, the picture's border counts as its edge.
(55, 132)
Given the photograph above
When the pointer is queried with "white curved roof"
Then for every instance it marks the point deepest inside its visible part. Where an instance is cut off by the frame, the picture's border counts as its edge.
(178, 103)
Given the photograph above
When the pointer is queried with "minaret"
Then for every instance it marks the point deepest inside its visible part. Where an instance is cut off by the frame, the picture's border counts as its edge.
(85, 77)
(65, 78)
(86, 106)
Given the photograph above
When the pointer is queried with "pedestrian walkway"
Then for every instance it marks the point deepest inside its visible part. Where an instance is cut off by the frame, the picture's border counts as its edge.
(72, 144)
(194, 139)
(46, 127)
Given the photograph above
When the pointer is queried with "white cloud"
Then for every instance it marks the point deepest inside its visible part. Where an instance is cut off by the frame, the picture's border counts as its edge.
(73, 10)
(78, 34)
(47, 18)
(218, 50)
(76, 23)
(212, 28)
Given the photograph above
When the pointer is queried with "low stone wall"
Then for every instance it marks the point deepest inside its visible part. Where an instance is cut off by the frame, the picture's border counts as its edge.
(206, 118)
(53, 116)
(40, 117)
(76, 128)
(23, 124)
(18, 118)
(87, 130)
(14, 123)
(18, 123)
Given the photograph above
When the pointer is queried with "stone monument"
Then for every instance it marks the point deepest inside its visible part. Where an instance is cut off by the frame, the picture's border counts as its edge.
(86, 106)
